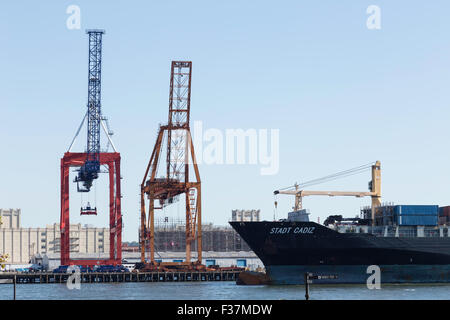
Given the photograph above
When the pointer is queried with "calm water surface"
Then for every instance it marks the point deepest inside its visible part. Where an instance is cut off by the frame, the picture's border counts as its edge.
(222, 290)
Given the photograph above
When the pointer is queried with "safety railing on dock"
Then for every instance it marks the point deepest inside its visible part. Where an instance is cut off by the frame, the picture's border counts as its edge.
(94, 277)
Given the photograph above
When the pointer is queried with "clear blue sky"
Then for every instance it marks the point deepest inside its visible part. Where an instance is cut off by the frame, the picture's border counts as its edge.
(340, 94)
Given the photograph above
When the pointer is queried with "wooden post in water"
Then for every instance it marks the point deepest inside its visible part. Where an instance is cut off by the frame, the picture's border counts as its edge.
(306, 286)
(14, 284)
(310, 276)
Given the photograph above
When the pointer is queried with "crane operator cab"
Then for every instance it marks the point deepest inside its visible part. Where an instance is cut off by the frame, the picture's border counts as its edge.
(88, 210)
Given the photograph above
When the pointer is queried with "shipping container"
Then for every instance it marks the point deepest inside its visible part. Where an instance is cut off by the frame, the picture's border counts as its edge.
(444, 211)
(417, 220)
(443, 220)
(419, 210)
(409, 215)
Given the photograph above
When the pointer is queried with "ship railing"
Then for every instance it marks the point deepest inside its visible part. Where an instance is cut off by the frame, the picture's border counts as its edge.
(397, 231)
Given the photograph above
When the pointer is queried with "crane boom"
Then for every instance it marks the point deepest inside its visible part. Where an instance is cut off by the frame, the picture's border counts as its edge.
(304, 193)
(374, 187)
(90, 169)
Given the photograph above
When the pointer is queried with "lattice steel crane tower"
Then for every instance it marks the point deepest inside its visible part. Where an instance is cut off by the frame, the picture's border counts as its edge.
(91, 167)
(89, 164)
(175, 181)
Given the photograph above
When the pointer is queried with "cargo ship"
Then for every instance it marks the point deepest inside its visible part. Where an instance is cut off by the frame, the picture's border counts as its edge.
(409, 244)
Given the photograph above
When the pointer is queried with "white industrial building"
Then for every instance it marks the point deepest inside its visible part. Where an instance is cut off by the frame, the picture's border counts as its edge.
(22, 243)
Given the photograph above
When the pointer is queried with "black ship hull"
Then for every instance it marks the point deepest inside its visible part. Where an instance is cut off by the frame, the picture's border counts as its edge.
(290, 249)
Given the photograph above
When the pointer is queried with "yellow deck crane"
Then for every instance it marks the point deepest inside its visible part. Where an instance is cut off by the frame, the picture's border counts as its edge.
(374, 187)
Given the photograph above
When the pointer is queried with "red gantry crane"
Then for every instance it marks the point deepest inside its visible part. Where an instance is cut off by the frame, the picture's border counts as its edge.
(89, 166)
(165, 189)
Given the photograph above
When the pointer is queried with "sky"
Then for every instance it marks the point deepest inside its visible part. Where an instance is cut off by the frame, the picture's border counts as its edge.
(340, 94)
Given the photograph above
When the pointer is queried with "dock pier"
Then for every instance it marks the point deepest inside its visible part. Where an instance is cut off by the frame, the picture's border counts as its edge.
(104, 277)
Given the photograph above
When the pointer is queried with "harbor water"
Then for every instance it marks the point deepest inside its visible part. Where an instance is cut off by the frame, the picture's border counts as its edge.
(221, 291)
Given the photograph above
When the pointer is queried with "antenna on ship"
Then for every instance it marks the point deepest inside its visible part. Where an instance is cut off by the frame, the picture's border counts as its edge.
(275, 202)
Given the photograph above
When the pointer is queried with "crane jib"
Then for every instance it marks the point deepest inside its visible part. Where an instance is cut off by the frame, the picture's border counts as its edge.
(90, 169)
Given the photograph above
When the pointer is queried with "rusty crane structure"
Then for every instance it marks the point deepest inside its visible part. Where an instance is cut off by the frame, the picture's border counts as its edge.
(175, 179)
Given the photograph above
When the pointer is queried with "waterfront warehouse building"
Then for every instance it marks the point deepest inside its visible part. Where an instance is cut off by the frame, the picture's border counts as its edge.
(22, 243)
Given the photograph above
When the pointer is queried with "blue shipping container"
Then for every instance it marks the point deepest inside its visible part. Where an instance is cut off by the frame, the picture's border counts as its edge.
(416, 220)
(420, 210)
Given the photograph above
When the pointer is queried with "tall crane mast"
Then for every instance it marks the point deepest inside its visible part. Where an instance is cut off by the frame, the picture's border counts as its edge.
(374, 188)
(91, 167)
(176, 181)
